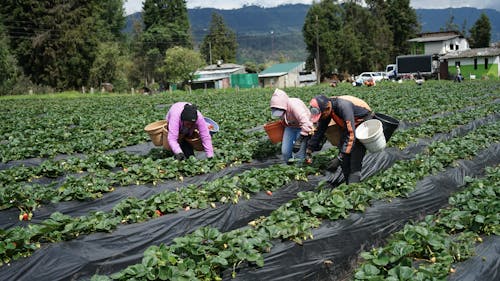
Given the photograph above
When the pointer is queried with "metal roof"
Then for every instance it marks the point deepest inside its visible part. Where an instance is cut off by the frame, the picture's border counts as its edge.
(471, 53)
(274, 74)
(433, 38)
(280, 68)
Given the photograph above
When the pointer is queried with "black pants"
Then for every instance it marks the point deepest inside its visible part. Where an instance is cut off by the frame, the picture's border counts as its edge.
(187, 148)
(352, 164)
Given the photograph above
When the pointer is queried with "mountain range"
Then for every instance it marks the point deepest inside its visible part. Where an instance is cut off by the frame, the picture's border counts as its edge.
(273, 33)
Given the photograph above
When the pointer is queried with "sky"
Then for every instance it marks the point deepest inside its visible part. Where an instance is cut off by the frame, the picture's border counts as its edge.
(133, 6)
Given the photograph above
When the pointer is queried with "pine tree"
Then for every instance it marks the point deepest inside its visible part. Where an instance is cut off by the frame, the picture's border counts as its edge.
(403, 21)
(321, 24)
(113, 16)
(220, 42)
(480, 32)
(55, 42)
(166, 25)
(7, 64)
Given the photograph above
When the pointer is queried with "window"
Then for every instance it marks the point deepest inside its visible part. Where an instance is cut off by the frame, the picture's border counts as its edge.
(451, 46)
(456, 47)
(485, 63)
(475, 63)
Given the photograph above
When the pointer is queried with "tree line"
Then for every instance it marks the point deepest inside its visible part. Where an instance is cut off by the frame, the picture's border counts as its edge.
(62, 45)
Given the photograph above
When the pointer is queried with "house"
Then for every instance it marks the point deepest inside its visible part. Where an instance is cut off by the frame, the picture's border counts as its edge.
(217, 76)
(481, 63)
(438, 43)
(282, 75)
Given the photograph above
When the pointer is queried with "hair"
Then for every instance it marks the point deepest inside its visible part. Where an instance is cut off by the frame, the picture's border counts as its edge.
(189, 113)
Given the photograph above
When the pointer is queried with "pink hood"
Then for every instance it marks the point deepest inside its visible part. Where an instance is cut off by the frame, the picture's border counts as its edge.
(297, 114)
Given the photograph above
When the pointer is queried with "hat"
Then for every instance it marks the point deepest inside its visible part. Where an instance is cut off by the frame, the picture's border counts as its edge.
(189, 113)
(318, 105)
(276, 112)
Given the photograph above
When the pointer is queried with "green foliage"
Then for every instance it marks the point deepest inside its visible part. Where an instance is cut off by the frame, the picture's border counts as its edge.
(105, 66)
(480, 32)
(404, 25)
(353, 39)
(7, 64)
(321, 25)
(113, 15)
(426, 250)
(56, 43)
(166, 25)
(219, 43)
(181, 63)
(450, 25)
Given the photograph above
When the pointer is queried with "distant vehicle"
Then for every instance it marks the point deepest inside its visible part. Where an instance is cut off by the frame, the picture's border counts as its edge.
(375, 76)
(390, 71)
(409, 65)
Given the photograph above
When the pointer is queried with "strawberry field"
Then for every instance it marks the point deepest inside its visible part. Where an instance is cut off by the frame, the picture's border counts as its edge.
(85, 195)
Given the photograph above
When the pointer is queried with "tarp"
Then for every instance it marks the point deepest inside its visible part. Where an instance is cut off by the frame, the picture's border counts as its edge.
(337, 242)
(336, 245)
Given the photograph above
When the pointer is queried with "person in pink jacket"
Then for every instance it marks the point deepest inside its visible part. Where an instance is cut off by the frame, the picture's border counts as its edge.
(296, 118)
(183, 118)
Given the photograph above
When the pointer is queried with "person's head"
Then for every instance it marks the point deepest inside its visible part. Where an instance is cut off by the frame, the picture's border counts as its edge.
(320, 107)
(189, 115)
(279, 103)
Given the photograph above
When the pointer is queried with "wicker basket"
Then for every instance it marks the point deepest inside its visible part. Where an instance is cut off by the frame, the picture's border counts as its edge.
(195, 141)
(155, 131)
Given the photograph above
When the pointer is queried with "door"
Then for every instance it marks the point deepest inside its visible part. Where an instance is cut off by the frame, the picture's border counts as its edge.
(443, 69)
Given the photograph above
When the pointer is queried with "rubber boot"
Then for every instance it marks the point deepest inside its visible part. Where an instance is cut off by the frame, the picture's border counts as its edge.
(354, 177)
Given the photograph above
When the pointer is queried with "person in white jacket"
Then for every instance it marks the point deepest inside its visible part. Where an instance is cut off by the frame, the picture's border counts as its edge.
(296, 118)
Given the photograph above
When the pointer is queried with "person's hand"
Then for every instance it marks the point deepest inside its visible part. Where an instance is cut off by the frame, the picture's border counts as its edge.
(335, 163)
(180, 156)
(298, 143)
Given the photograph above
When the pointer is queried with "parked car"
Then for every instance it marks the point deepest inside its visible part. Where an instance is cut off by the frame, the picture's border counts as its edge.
(375, 76)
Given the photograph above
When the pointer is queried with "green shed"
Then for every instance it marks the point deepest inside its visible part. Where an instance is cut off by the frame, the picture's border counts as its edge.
(245, 80)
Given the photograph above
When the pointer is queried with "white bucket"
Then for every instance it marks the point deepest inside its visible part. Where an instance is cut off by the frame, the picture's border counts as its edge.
(371, 134)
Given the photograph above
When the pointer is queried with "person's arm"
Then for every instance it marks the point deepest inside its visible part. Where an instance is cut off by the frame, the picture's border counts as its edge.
(304, 118)
(173, 133)
(315, 141)
(346, 112)
(206, 139)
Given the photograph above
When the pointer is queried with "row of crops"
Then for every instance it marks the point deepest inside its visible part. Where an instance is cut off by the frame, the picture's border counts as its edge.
(84, 195)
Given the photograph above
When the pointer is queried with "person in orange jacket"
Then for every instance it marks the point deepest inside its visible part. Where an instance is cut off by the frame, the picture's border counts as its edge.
(347, 112)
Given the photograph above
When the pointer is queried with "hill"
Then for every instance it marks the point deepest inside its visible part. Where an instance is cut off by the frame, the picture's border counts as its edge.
(271, 33)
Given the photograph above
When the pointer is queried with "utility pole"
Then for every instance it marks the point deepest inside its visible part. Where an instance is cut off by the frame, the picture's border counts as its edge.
(272, 43)
(318, 74)
(210, 51)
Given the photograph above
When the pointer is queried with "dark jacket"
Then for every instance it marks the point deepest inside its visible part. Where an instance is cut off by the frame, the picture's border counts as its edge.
(348, 112)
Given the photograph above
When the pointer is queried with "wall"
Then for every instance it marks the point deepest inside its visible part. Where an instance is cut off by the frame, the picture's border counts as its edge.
(443, 47)
(467, 67)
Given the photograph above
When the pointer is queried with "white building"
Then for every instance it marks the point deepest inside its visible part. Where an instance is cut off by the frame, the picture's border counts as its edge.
(438, 43)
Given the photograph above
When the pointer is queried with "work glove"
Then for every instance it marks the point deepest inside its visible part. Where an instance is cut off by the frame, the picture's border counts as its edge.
(180, 156)
(335, 163)
(298, 143)
(308, 158)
